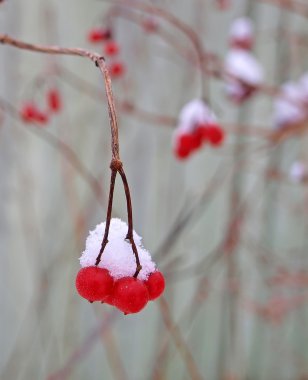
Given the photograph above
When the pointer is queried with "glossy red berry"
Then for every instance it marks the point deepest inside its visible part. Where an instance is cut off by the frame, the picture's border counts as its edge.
(215, 135)
(94, 284)
(111, 48)
(29, 112)
(116, 69)
(182, 152)
(155, 284)
(96, 35)
(54, 100)
(130, 295)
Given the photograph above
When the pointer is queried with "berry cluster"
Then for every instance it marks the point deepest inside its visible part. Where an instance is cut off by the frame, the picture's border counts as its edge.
(197, 125)
(128, 294)
(31, 113)
(243, 73)
(110, 48)
(186, 143)
(112, 281)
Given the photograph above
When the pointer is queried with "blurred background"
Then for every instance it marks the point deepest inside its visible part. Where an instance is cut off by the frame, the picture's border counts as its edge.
(227, 226)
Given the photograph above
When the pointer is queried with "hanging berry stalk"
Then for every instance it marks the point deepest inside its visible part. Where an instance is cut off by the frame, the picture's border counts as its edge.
(102, 278)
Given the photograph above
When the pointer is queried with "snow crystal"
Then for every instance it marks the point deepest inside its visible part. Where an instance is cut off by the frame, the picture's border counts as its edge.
(241, 29)
(298, 171)
(118, 256)
(243, 65)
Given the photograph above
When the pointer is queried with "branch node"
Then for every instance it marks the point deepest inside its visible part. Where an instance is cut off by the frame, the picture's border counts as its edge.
(116, 165)
(101, 58)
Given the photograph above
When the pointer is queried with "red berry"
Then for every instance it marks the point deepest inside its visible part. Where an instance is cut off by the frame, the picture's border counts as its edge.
(196, 139)
(155, 284)
(94, 284)
(242, 43)
(54, 100)
(181, 152)
(29, 112)
(98, 35)
(41, 117)
(130, 295)
(185, 141)
(111, 48)
(109, 299)
(116, 69)
(215, 135)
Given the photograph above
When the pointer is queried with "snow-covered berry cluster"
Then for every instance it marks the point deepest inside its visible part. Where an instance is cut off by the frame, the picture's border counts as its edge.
(31, 113)
(197, 125)
(291, 105)
(243, 72)
(112, 281)
(110, 48)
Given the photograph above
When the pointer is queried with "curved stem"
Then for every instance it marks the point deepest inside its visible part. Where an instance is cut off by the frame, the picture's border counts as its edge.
(130, 232)
(108, 217)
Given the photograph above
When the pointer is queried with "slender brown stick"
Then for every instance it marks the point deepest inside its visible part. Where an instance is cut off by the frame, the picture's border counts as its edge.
(130, 232)
(108, 218)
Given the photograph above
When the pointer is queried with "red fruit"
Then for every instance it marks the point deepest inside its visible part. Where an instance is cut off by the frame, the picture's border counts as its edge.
(41, 117)
(94, 284)
(54, 100)
(130, 295)
(111, 48)
(155, 285)
(215, 135)
(181, 152)
(109, 299)
(242, 43)
(116, 69)
(196, 139)
(185, 141)
(96, 35)
(29, 112)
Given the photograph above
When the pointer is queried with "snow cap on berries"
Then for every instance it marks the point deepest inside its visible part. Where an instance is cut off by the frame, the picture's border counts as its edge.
(288, 106)
(298, 172)
(118, 256)
(194, 113)
(241, 29)
(242, 65)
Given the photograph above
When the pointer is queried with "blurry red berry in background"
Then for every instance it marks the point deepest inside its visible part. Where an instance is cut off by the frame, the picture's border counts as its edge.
(130, 295)
(96, 35)
(196, 139)
(28, 112)
(116, 69)
(111, 48)
(243, 43)
(155, 284)
(215, 134)
(94, 284)
(181, 152)
(41, 118)
(54, 100)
